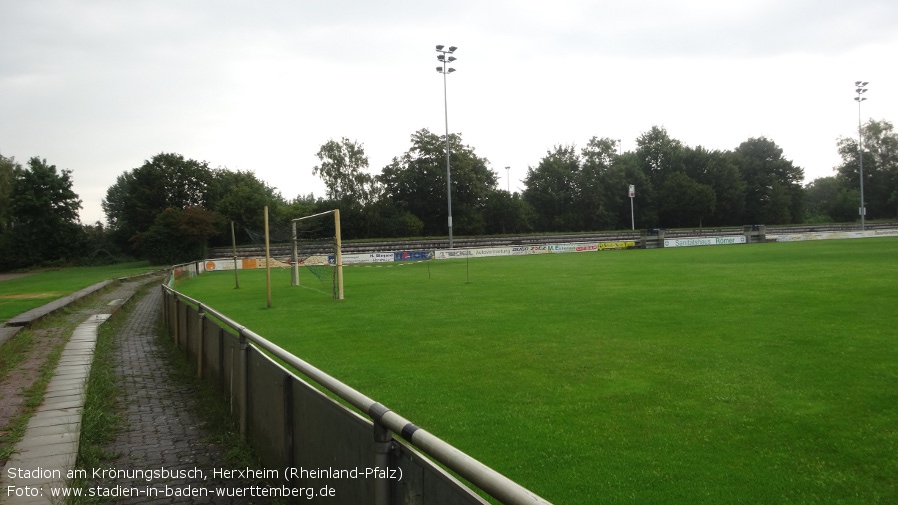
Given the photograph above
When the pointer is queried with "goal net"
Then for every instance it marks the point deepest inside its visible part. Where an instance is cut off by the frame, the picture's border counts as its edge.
(317, 259)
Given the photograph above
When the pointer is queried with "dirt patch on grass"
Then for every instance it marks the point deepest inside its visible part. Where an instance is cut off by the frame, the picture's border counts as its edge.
(29, 295)
(6, 277)
(15, 385)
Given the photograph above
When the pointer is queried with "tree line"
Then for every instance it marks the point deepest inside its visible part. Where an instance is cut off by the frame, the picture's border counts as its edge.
(171, 208)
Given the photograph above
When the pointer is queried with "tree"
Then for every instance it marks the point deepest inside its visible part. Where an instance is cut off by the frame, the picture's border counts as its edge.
(773, 193)
(592, 184)
(43, 217)
(716, 170)
(659, 154)
(178, 235)
(8, 170)
(416, 183)
(241, 197)
(880, 168)
(622, 173)
(341, 169)
(684, 202)
(505, 212)
(167, 181)
(552, 189)
(830, 199)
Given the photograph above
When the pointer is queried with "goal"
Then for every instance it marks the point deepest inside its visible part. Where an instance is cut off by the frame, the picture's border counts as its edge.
(316, 251)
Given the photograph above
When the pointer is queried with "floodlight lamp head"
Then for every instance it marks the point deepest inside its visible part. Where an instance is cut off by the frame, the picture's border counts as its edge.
(441, 57)
(856, 83)
(864, 83)
(440, 69)
(440, 48)
(452, 49)
(452, 58)
(859, 99)
(449, 71)
(861, 90)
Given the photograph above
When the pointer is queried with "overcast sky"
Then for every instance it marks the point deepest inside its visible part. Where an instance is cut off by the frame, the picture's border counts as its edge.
(98, 87)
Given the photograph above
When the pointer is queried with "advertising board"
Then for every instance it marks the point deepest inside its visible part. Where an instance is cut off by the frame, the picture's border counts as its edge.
(691, 242)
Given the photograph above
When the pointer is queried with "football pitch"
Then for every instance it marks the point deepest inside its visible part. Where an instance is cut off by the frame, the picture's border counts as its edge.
(733, 374)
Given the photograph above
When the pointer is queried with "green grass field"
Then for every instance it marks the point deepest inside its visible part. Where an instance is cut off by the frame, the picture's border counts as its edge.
(41, 287)
(732, 374)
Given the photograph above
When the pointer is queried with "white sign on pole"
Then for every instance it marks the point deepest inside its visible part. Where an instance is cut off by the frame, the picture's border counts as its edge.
(632, 191)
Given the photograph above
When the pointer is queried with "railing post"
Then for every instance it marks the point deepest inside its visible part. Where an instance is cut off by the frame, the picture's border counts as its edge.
(175, 334)
(165, 322)
(244, 385)
(221, 370)
(383, 446)
(200, 346)
(288, 419)
(186, 335)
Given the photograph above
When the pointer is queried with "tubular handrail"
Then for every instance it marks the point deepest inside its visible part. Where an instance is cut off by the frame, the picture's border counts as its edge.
(492, 482)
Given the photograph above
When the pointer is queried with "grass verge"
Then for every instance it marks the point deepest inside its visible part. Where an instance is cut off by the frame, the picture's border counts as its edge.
(43, 286)
(12, 355)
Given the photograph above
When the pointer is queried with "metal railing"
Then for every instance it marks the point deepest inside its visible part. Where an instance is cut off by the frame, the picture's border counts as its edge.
(291, 424)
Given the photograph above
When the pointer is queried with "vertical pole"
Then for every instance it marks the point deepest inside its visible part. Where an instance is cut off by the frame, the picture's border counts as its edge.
(175, 333)
(200, 344)
(165, 321)
(338, 258)
(860, 154)
(448, 173)
(221, 361)
(267, 259)
(234, 248)
(243, 401)
(382, 445)
(294, 259)
(289, 449)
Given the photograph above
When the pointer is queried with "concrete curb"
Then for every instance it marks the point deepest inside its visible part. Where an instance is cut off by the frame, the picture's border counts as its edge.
(35, 314)
(7, 332)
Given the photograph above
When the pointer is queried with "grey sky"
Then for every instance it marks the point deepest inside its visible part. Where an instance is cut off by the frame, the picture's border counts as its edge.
(100, 86)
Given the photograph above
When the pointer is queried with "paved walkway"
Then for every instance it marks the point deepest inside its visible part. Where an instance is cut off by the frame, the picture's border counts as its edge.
(162, 425)
(49, 446)
(162, 433)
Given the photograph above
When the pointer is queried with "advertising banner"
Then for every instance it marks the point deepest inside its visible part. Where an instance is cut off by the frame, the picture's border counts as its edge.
(412, 255)
(576, 247)
(529, 249)
(242, 264)
(690, 242)
(485, 252)
(829, 235)
(612, 246)
(216, 265)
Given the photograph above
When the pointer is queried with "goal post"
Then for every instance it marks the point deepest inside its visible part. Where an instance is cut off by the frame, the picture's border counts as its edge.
(314, 248)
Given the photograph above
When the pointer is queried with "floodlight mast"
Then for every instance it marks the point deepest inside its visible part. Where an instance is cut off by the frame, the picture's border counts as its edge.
(445, 57)
(860, 89)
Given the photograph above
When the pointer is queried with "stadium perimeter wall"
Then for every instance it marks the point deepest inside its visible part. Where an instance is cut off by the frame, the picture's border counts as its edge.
(834, 235)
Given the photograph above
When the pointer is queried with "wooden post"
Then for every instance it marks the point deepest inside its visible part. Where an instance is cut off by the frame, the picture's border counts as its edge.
(338, 258)
(267, 259)
(234, 247)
